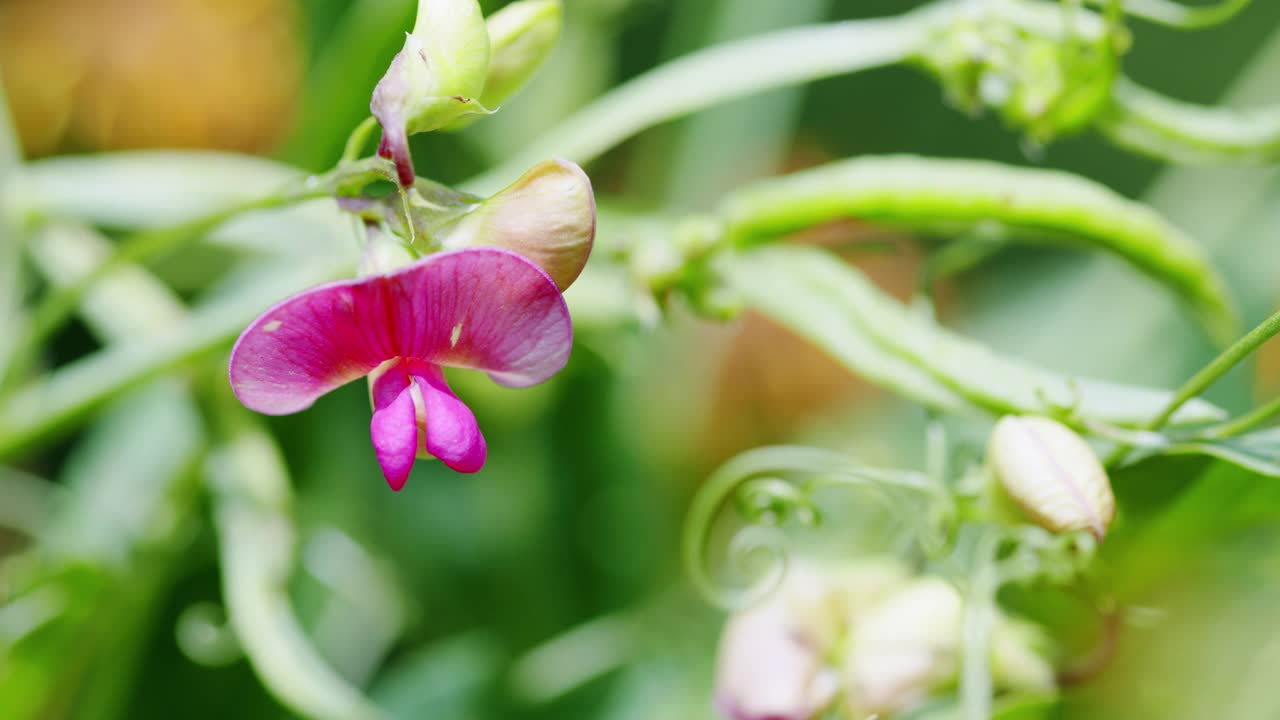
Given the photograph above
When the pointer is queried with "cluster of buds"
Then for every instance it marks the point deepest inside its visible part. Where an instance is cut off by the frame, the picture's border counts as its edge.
(1045, 75)
(860, 640)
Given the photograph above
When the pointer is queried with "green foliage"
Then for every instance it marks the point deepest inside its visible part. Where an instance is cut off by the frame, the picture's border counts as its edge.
(550, 585)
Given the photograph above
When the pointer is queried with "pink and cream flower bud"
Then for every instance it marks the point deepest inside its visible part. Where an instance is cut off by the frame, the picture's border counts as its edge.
(548, 216)
(768, 669)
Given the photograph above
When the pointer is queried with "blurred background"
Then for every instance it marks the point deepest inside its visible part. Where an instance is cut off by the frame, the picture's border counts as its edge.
(548, 585)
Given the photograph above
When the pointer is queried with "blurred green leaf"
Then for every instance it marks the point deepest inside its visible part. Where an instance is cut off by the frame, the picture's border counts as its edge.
(1257, 452)
(106, 558)
(448, 679)
(257, 539)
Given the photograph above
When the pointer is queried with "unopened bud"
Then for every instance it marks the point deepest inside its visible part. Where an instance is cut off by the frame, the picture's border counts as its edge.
(436, 79)
(548, 216)
(771, 663)
(521, 37)
(904, 647)
(1018, 663)
(1052, 474)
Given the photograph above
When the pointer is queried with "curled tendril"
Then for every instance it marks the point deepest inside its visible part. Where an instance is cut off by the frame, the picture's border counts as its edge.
(1177, 15)
(775, 502)
(772, 488)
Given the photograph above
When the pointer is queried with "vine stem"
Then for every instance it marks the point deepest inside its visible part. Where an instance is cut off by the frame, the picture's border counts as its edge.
(1208, 375)
(54, 310)
(725, 72)
(1243, 424)
(979, 619)
(1152, 124)
(1182, 17)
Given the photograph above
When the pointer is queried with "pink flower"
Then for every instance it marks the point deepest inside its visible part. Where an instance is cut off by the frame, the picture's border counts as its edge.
(480, 308)
(768, 670)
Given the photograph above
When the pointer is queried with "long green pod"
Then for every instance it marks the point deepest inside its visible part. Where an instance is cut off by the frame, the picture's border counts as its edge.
(724, 72)
(956, 196)
(837, 308)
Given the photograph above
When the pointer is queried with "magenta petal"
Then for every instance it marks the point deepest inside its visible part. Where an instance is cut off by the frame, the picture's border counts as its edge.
(452, 433)
(394, 427)
(304, 347)
(481, 308)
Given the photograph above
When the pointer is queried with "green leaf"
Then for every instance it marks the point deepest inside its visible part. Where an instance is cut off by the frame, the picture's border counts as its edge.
(1257, 452)
(838, 309)
(962, 197)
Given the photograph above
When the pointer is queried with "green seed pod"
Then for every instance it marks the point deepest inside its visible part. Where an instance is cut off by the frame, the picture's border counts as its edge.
(1052, 474)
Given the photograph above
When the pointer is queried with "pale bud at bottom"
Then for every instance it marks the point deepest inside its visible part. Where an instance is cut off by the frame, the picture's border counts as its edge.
(767, 671)
(903, 648)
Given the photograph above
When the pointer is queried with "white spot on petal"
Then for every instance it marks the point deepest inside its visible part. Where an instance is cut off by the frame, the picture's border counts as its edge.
(272, 326)
(453, 337)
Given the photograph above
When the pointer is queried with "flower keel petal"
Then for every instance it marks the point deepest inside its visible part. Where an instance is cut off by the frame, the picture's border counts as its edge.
(394, 430)
(452, 434)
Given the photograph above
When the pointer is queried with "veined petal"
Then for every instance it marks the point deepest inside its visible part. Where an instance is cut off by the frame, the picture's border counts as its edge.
(394, 427)
(480, 308)
(452, 434)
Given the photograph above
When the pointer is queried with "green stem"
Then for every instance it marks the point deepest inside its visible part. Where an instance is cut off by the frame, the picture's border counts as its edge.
(725, 72)
(59, 305)
(979, 620)
(1183, 17)
(1218, 367)
(1167, 129)
(1243, 424)
(358, 139)
(1208, 375)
